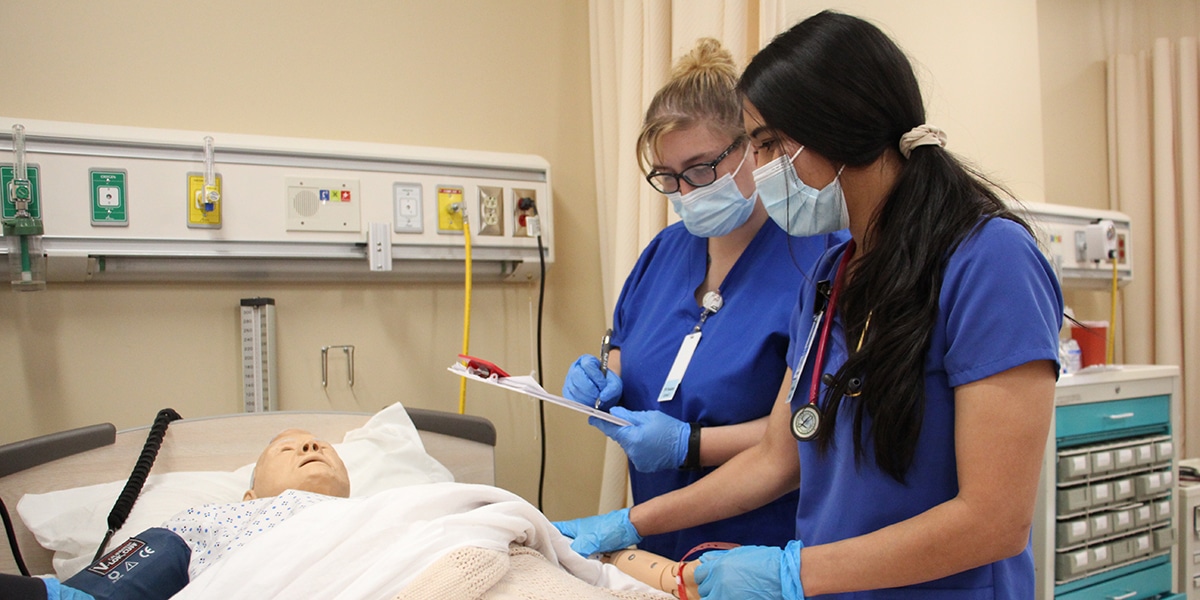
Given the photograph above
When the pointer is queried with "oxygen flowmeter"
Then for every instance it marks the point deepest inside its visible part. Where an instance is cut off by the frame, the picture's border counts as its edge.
(22, 227)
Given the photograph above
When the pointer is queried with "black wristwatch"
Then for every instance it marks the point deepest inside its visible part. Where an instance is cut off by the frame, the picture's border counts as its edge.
(692, 461)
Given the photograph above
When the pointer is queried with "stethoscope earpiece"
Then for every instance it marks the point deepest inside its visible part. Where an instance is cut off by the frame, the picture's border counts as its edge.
(853, 387)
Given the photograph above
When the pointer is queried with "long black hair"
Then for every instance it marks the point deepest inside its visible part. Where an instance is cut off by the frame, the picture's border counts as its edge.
(842, 88)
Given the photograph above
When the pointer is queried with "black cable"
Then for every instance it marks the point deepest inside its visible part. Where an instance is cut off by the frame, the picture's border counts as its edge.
(541, 405)
(12, 539)
(529, 205)
(133, 487)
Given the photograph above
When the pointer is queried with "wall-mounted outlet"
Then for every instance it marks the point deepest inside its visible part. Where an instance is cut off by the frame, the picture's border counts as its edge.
(524, 208)
(406, 207)
(204, 204)
(491, 210)
(450, 208)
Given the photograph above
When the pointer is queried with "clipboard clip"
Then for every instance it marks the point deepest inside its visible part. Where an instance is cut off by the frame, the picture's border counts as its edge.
(481, 368)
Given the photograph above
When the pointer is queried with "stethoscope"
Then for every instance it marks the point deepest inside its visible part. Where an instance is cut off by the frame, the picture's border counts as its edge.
(806, 420)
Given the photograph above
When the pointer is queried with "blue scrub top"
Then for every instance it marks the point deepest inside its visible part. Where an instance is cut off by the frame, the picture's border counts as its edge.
(1000, 306)
(738, 366)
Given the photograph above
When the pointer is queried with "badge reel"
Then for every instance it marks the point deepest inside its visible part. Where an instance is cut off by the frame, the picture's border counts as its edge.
(712, 303)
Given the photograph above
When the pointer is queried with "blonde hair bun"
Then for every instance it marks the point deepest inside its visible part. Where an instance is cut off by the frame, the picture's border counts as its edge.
(708, 57)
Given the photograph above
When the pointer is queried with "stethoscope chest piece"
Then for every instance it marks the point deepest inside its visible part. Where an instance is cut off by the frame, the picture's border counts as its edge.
(806, 422)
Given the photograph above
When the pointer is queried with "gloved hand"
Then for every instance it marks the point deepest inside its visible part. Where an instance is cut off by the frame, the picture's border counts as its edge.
(601, 533)
(749, 572)
(655, 442)
(584, 383)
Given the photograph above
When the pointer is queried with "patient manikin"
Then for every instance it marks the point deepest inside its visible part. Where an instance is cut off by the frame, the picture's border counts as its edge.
(296, 470)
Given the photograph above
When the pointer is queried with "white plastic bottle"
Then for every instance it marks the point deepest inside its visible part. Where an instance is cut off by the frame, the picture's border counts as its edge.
(1074, 357)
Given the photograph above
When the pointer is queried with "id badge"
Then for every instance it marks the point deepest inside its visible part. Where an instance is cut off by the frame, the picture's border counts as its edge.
(812, 335)
(686, 350)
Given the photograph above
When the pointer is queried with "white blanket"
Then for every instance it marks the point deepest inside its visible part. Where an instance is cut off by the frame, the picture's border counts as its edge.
(368, 548)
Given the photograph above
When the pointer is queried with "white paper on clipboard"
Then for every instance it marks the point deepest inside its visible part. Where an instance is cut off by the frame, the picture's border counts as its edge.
(527, 385)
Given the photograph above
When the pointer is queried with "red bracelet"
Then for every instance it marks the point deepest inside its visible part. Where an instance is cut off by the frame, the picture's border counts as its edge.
(706, 546)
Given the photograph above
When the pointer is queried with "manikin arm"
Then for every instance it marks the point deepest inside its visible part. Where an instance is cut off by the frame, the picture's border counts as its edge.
(656, 571)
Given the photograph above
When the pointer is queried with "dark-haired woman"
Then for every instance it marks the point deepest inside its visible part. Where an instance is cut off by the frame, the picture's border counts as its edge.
(924, 350)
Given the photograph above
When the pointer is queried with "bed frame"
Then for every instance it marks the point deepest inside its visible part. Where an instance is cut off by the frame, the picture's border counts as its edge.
(465, 444)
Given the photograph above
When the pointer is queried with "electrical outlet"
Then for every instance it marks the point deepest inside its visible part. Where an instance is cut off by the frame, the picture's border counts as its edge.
(450, 208)
(491, 210)
(524, 208)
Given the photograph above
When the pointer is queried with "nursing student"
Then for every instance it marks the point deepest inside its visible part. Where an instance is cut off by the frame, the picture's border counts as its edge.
(924, 352)
(717, 288)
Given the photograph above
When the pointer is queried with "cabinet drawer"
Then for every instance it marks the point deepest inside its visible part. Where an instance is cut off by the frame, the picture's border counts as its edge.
(1114, 416)
(1147, 583)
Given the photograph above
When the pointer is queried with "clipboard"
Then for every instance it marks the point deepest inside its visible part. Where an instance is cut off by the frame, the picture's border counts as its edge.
(524, 384)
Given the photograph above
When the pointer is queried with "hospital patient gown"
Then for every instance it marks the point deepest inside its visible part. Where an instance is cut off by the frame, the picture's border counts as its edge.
(213, 530)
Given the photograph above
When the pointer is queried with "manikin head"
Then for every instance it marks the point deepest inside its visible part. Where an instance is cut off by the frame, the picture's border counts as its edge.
(296, 460)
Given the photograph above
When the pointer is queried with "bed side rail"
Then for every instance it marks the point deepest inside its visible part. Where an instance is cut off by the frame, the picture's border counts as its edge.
(26, 454)
(468, 427)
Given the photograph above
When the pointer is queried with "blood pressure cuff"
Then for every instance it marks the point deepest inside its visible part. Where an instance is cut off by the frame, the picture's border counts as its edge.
(151, 566)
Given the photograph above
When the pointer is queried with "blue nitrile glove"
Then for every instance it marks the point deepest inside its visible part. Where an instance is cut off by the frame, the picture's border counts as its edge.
(655, 442)
(601, 533)
(749, 572)
(584, 383)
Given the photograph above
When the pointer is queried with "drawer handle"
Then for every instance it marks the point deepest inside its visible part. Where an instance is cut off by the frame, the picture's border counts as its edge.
(1124, 596)
(1118, 417)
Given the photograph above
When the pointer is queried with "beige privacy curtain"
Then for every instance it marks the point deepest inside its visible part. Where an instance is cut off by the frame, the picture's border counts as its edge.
(634, 43)
(1154, 177)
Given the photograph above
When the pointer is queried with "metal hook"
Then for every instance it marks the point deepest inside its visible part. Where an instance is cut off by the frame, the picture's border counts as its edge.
(349, 350)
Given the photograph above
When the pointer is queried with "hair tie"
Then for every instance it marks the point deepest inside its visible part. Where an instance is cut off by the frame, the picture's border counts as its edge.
(921, 135)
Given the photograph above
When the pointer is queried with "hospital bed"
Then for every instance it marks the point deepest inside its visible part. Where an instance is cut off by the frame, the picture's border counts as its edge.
(464, 444)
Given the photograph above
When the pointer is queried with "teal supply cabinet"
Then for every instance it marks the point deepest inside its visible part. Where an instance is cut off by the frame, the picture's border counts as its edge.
(1105, 523)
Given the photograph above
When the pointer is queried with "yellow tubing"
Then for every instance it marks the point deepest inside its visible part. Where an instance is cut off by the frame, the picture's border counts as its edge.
(1112, 318)
(462, 381)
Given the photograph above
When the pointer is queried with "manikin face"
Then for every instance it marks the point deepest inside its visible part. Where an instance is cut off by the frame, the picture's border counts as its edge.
(297, 460)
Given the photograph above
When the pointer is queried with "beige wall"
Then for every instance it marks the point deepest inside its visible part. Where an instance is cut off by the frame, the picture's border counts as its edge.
(1074, 130)
(508, 76)
(977, 63)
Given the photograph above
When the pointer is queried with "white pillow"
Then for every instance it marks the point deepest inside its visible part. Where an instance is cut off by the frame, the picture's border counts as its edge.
(386, 452)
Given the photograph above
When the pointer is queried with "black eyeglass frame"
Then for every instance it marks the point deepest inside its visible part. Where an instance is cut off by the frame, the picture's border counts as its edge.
(712, 167)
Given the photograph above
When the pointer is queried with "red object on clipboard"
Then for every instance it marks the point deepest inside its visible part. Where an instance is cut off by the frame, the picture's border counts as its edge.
(481, 368)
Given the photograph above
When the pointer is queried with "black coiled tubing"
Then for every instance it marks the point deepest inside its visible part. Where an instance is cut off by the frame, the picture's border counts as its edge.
(141, 469)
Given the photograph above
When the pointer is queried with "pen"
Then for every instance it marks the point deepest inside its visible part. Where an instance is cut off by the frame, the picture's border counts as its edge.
(605, 347)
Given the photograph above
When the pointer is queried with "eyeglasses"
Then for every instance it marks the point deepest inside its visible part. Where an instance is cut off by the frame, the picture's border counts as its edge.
(698, 175)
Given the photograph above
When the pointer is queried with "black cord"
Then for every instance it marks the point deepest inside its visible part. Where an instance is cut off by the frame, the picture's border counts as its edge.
(12, 539)
(541, 405)
(133, 487)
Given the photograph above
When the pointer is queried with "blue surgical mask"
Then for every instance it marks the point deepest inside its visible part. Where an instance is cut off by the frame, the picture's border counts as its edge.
(798, 208)
(717, 209)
